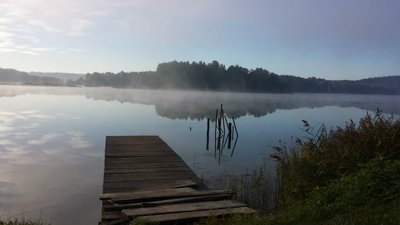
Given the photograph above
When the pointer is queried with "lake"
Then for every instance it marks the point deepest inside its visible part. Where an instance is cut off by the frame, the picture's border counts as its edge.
(52, 138)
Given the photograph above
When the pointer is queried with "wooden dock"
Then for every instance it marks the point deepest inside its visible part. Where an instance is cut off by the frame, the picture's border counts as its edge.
(144, 178)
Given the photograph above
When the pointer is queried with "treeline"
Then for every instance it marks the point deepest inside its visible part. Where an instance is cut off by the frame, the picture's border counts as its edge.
(216, 77)
(11, 76)
(209, 77)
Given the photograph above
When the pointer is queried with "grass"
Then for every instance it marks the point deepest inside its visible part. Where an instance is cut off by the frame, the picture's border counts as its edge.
(347, 175)
(21, 221)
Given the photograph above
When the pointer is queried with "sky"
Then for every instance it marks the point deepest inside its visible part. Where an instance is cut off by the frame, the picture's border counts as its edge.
(340, 39)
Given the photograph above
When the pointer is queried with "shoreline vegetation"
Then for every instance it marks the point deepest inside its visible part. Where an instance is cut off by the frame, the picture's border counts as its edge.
(343, 176)
(22, 221)
(203, 76)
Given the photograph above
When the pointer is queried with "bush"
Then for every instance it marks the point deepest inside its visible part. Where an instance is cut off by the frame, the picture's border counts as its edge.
(327, 156)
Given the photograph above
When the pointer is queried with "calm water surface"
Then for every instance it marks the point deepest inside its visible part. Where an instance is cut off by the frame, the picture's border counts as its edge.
(52, 139)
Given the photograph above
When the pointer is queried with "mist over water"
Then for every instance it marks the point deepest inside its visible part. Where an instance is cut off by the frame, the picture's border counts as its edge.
(52, 139)
(202, 105)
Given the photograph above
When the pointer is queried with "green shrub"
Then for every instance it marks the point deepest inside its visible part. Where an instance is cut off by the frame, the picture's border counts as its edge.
(327, 156)
(376, 184)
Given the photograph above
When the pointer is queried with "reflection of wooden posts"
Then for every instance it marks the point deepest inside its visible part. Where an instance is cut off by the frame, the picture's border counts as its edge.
(232, 132)
(229, 135)
(208, 132)
(234, 124)
(219, 140)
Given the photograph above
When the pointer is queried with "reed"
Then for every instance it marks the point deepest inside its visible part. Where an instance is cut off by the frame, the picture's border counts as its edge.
(22, 221)
(347, 175)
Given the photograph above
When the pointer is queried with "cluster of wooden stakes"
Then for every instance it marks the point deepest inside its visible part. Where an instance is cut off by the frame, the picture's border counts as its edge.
(224, 133)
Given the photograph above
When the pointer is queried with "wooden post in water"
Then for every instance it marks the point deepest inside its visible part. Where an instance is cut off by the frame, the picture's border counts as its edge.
(229, 135)
(208, 133)
(215, 134)
(221, 116)
(219, 130)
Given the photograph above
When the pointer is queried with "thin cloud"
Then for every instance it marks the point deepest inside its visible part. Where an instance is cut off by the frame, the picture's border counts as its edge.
(9, 44)
(98, 13)
(75, 49)
(22, 27)
(44, 25)
(79, 27)
(5, 20)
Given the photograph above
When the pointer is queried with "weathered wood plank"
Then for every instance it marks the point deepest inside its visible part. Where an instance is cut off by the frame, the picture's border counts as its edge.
(157, 194)
(127, 177)
(134, 199)
(185, 207)
(135, 139)
(142, 160)
(138, 154)
(147, 165)
(112, 215)
(214, 197)
(147, 185)
(197, 214)
(115, 222)
(144, 171)
(117, 206)
(138, 145)
(167, 201)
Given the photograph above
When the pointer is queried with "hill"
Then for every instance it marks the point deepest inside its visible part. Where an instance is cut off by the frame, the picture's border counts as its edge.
(11, 76)
(62, 76)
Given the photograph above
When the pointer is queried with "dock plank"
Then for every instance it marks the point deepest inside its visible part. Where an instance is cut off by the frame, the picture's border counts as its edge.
(185, 207)
(159, 194)
(149, 193)
(147, 165)
(197, 214)
(147, 185)
(144, 171)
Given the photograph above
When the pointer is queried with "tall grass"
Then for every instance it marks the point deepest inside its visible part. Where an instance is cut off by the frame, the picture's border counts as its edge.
(22, 221)
(329, 155)
(348, 175)
(255, 187)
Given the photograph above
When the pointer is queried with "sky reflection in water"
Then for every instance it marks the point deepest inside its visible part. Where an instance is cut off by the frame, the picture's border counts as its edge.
(52, 139)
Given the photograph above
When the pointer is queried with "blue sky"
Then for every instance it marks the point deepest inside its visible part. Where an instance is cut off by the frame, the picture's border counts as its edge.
(341, 39)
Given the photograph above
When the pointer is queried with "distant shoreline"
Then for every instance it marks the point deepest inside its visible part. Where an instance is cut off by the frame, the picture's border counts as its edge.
(213, 76)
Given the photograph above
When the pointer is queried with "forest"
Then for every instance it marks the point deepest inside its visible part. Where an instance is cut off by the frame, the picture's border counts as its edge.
(212, 76)
(216, 77)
